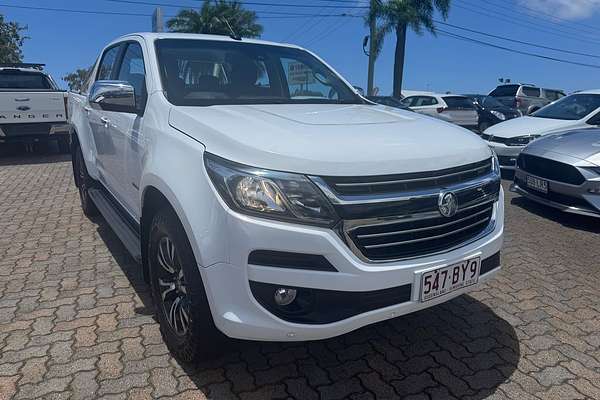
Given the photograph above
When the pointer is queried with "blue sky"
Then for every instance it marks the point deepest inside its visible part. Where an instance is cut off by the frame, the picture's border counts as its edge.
(65, 41)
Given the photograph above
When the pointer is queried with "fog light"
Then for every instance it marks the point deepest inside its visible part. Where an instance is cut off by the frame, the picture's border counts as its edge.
(285, 296)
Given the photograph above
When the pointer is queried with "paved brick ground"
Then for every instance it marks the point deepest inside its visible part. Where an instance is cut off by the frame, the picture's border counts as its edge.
(76, 319)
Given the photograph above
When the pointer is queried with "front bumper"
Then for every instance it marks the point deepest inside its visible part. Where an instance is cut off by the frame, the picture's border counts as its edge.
(238, 314)
(575, 199)
(507, 155)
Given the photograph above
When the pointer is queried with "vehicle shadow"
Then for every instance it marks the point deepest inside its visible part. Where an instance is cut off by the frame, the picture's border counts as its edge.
(18, 154)
(459, 349)
(573, 221)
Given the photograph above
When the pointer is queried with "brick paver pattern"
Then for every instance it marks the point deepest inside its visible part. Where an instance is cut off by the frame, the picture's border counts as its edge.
(76, 318)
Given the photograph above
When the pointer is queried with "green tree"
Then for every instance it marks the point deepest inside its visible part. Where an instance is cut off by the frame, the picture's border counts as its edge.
(398, 16)
(11, 41)
(214, 17)
(77, 79)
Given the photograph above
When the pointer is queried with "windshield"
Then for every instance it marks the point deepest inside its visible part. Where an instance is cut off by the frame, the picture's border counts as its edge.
(23, 80)
(574, 107)
(491, 102)
(204, 73)
(505, 91)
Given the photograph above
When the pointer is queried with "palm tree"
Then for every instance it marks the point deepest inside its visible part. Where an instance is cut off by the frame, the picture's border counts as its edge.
(399, 15)
(216, 18)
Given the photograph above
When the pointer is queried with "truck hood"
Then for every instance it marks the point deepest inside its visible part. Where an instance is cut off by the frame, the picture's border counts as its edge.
(339, 140)
(529, 126)
(582, 144)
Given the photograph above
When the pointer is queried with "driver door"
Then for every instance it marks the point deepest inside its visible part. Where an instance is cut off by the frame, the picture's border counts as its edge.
(107, 149)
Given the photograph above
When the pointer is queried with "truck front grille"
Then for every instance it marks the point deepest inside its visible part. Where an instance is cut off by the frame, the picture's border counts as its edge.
(421, 235)
(395, 217)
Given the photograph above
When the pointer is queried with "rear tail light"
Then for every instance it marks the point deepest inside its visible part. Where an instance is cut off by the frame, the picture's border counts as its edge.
(441, 109)
(66, 100)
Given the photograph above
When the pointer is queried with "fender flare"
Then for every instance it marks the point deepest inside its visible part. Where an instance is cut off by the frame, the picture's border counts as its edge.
(150, 181)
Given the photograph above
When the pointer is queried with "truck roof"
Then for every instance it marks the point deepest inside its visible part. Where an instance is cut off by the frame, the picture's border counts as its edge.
(150, 36)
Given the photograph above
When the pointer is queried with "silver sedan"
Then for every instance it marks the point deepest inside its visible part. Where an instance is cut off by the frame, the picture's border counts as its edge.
(563, 171)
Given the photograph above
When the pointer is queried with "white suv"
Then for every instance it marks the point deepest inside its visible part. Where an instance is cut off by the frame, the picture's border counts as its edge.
(266, 200)
(452, 108)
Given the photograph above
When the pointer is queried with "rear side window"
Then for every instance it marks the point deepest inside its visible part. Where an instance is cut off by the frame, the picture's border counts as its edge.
(505, 91)
(422, 101)
(531, 91)
(23, 80)
(107, 65)
(460, 103)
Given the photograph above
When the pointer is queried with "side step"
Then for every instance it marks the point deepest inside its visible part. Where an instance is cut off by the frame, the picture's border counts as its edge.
(126, 234)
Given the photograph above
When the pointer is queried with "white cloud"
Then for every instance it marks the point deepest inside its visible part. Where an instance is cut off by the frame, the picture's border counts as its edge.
(564, 9)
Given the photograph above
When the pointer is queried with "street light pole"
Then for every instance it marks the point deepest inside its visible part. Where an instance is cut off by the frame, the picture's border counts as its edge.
(372, 47)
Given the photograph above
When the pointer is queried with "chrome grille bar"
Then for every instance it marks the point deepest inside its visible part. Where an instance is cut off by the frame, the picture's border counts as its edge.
(425, 229)
(376, 246)
(401, 181)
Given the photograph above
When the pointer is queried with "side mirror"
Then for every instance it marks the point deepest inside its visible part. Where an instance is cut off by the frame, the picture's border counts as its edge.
(115, 96)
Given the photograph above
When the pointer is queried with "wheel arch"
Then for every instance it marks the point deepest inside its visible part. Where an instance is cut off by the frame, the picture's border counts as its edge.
(156, 196)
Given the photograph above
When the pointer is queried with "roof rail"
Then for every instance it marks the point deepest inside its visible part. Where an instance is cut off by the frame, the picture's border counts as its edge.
(23, 65)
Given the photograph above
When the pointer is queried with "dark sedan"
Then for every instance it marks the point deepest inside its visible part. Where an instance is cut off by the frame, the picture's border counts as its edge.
(491, 111)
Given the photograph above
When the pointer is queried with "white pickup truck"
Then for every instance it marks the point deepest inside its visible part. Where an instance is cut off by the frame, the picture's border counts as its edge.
(266, 200)
(32, 107)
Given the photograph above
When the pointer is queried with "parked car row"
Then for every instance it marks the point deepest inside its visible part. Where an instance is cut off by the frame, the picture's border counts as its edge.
(508, 139)
(554, 151)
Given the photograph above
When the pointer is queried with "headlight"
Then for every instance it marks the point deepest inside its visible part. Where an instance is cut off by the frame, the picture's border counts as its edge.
(495, 163)
(269, 194)
(520, 140)
(594, 169)
(498, 115)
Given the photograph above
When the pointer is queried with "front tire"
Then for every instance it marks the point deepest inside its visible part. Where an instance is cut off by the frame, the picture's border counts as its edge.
(84, 183)
(180, 300)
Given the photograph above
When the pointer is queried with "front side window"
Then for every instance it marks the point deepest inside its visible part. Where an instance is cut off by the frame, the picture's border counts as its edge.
(132, 71)
(107, 65)
(408, 101)
(204, 73)
(574, 107)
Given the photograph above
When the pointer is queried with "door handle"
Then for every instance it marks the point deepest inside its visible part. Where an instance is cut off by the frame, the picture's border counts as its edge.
(105, 121)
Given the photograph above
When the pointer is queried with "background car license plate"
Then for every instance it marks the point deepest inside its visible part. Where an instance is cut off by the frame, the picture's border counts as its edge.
(537, 184)
(444, 280)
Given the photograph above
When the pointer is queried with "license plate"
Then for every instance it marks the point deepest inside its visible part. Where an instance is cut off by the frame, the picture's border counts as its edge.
(537, 184)
(445, 280)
